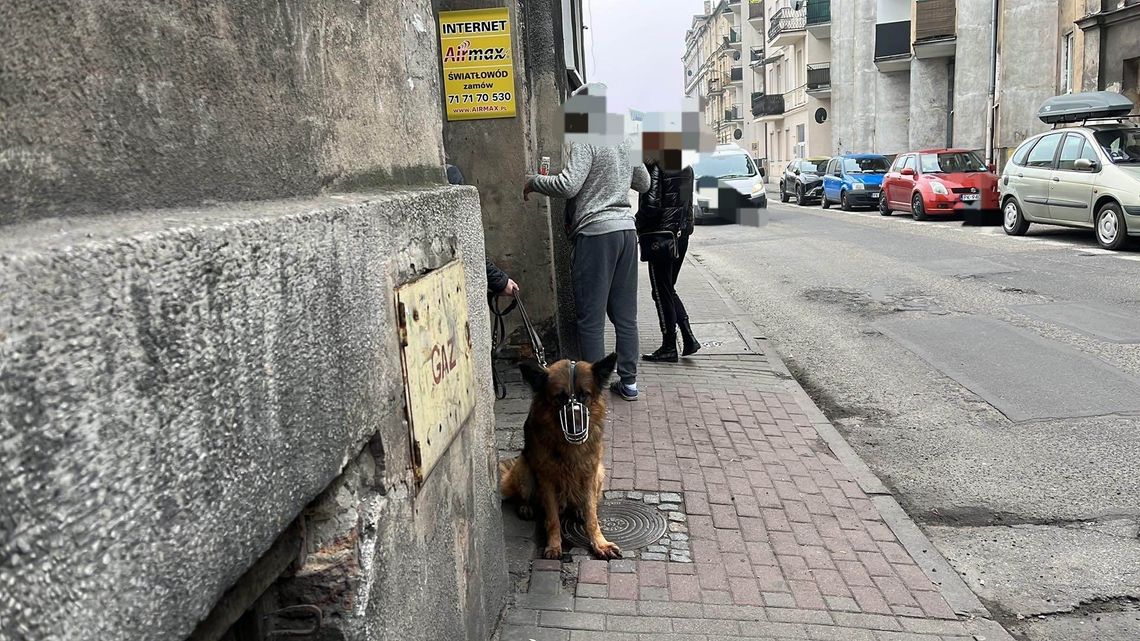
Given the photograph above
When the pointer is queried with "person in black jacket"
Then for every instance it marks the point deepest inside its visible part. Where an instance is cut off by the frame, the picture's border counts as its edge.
(498, 283)
(664, 224)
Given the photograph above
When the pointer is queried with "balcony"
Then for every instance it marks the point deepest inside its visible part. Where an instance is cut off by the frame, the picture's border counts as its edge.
(715, 86)
(756, 14)
(736, 75)
(756, 56)
(819, 80)
(732, 114)
(819, 18)
(892, 46)
(935, 29)
(732, 40)
(795, 99)
(787, 26)
(767, 107)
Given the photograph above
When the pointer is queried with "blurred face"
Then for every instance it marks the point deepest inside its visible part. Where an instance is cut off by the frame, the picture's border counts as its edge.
(665, 149)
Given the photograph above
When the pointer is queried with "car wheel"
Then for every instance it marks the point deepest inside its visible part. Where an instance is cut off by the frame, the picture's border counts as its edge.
(884, 206)
(783, 193)
(843, 203)
(1013, 221)
(824, 202)
(917, 207)
(799, 194)
(1111, 230)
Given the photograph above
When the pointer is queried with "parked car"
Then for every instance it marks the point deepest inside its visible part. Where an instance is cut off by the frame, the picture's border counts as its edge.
(939, 182)
(1086, 176)
(727, 180)
(803, 179)
(854, 180)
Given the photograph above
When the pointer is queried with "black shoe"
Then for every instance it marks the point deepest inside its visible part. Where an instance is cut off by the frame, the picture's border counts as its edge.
(662, 355)
(689, 343)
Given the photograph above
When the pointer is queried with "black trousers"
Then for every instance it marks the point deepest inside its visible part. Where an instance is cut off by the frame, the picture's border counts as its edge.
(663, 272)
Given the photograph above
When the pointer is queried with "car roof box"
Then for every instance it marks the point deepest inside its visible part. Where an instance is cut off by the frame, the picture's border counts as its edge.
(1090, 105)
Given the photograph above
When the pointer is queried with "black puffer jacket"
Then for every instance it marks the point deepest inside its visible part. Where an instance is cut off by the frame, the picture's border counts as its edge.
(668, 205)
(496, 278)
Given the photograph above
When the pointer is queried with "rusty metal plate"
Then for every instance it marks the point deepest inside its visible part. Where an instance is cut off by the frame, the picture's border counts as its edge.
(439, 371)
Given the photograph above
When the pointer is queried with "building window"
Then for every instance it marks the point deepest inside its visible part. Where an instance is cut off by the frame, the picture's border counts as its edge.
(1067, 63)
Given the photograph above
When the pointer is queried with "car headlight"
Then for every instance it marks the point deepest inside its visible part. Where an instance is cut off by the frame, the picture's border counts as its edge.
(858, 187)
(939, 188)
(756, 188)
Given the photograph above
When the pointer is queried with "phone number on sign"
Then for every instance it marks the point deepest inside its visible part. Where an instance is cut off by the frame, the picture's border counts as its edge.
(480, 97)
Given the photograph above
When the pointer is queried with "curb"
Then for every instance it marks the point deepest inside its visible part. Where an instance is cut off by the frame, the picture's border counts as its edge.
(957, 594)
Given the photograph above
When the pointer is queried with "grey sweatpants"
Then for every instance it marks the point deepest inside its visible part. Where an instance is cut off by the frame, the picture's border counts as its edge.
(604, 270)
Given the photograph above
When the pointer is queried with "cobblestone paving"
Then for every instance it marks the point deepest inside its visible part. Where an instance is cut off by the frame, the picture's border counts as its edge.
(784, 543)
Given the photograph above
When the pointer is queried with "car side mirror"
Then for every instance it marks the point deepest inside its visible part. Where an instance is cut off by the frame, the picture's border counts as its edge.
(796, 171)
(992, 168)
(907, 171)
(1084, 164)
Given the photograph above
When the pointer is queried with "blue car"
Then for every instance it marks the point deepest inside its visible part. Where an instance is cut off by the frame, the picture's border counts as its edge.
(854, 180)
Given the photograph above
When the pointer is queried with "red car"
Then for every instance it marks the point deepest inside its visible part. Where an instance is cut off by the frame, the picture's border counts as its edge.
(939, 182)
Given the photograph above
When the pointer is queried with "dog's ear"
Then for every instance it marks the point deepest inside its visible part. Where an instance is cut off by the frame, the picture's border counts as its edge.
(603, 369)
(534, 375)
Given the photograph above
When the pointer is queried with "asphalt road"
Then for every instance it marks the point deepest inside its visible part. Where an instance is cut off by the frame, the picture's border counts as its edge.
(992, 382)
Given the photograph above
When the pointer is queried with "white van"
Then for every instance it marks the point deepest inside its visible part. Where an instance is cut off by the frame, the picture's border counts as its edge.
(726, 181)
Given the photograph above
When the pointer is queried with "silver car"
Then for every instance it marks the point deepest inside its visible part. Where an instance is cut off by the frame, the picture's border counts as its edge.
(1085, 176)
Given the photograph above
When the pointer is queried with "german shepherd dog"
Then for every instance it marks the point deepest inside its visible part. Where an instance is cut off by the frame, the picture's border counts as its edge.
(561, 466)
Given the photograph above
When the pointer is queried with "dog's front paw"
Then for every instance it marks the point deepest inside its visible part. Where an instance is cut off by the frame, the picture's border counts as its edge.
(606, 550)
(553, 552)
(526, 512)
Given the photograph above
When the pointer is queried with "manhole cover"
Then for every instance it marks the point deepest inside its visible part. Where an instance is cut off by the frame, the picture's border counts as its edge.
(629, 524)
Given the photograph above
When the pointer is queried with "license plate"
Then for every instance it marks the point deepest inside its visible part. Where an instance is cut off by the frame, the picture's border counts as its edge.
(969, 198)
(874, 194)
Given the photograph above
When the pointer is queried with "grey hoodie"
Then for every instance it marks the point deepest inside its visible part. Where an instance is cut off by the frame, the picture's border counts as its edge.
(599, 179)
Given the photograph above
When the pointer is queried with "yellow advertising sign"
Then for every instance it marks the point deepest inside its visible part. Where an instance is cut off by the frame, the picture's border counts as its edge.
(478, 63)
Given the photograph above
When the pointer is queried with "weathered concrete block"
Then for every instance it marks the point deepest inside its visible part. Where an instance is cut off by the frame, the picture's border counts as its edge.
(175, 386)
(116, 104)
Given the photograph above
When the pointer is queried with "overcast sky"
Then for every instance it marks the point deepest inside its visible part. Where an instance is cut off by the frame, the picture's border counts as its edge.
(635, 47)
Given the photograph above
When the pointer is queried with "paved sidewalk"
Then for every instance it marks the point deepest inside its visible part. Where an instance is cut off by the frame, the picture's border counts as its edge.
(785, 535)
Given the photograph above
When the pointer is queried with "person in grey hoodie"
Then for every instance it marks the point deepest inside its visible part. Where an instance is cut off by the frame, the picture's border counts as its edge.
(603, 260)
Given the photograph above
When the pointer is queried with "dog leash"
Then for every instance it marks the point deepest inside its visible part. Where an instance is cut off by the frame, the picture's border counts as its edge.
(499, 338)
(535, 340)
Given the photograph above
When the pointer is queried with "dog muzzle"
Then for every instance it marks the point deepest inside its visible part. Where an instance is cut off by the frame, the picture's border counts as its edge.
(574, 416)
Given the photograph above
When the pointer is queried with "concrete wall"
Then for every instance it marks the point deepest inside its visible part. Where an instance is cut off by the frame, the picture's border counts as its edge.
(843, 80)
(863, 122)
(892, 113)
(1090, 50)
(114, 104)
(1026, 25)
(180, 384)
(972, 72)
(929, 84)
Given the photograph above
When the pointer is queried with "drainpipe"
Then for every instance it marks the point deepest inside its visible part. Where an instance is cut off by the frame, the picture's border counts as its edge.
(991, 105)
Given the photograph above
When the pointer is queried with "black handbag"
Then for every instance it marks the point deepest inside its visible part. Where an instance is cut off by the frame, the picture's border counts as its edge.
(657, 244)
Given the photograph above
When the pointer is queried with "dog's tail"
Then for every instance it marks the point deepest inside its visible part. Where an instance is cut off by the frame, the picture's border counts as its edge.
(511, 478)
